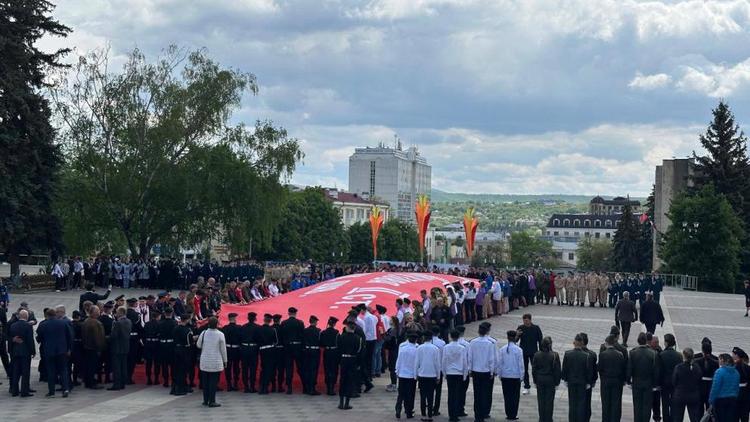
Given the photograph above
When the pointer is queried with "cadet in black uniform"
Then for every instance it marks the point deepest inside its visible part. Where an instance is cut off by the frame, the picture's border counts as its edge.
(578, 372)
(232, 338)
(278, 356)
(182, 337)
(249, 352)
(291, 334)
(329, 340)
(267, 339)
(350, 346)
(595, 373)
(311, 362)
(151, 347)
(134, 355)
(709, 364)
(166, 345)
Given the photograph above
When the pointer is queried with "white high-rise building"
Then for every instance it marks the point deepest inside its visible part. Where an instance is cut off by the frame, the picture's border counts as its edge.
(390, 174)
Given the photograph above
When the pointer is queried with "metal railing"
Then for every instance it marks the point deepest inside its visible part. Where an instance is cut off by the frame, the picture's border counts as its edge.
(680, 281)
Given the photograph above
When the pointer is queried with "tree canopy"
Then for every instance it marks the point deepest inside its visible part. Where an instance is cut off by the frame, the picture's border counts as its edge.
(151, 154)
(704, 239)
(30, 159)
(627, 244)
(527, 250)
(594, 254)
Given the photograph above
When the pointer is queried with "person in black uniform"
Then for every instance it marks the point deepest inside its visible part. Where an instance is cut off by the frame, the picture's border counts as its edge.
(746, 290)
(76, 356)
(134, 355)
(350, 346)
(595, 374)
(182, 339)
(249, 352)
(329, 340)
(267, 339)
(612, 369)
(278, 364)
(151, 347)
(578, 372)
(292, 330)
(92, 297)
(709, 364)
(311, 362)
(232, 338)
(106, 318)
(165, 354)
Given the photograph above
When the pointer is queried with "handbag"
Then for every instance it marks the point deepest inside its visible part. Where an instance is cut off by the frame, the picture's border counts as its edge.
(709, 416)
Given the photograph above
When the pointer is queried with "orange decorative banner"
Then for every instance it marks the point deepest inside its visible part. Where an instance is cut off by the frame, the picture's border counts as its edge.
(422, 211)
(470, 229)
(376, 223)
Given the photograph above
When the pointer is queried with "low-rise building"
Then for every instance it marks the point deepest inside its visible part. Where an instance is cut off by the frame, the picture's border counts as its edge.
(355, 208)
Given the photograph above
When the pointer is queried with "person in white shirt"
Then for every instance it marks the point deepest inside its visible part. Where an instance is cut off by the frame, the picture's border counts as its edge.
(371, 337)
(428, 371)
(460, 297)
(462, 341)
(437, 341)
(481, 358)
(510, 372)
(470, 300)
(426, 305)
(273, 289)
(406, 369)
(497, 296)
(456, 369)
(57, 272)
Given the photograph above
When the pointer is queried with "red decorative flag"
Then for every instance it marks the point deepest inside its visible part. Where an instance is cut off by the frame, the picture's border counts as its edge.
(422, 211)
(643, 218)
(470, 230)
(376, 223)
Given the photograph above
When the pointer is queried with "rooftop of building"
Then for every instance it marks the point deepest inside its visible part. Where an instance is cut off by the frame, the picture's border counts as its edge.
(617, 200)
(352, 198)
(558, 220)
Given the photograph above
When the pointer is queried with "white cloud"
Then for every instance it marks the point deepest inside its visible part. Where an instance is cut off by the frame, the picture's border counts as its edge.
(649, 82)
(716, 80)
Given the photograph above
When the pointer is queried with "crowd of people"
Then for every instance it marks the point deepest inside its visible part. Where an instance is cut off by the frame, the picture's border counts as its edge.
(419, 344)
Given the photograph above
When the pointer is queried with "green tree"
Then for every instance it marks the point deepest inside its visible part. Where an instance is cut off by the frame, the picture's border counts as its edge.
(726, 166)
(627, 255)
(152, 156)
(704, 239)
(311, 229)
(491, 254)
(399, 242)
(30, 159)
(527, 250)
(593, 254)
(360, 241)
(647, 235)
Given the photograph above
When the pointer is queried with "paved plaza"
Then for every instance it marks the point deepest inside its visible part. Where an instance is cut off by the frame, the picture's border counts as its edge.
(690, 315)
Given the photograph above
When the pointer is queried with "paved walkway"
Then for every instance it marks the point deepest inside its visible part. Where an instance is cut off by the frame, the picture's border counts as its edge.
(691, 316)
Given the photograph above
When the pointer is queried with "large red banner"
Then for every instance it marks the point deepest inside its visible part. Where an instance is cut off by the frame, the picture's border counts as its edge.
(335, 297)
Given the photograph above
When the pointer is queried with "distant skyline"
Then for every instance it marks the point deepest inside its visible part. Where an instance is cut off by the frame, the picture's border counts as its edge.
(511, 96)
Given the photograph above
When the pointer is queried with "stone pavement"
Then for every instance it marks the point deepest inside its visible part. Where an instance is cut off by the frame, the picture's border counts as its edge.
(691, 316)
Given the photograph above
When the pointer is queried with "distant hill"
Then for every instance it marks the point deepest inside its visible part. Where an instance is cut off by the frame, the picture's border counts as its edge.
(441, 196)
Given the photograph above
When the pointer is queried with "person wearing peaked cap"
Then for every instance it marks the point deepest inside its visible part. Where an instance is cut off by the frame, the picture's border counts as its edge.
(279, 365)
(267, 339)
(291, 333)
(350, 346)
(233, 340)
(109, 304)
(151, 343)
(743, 399)
(311, 357)
(135, 352)
(249, 352)
(329, 339)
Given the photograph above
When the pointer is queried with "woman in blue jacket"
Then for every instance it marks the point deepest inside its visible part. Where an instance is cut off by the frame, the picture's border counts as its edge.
(724, 390)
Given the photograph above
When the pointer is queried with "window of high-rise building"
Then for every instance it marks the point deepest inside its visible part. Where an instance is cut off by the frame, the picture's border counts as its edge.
(372, 179)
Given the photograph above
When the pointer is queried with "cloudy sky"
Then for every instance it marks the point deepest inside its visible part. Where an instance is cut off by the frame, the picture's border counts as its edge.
(504, 96)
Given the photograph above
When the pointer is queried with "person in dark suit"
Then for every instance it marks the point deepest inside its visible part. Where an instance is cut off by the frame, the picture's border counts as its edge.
(686, 380)
(625, 314)
(612, 367)
(595, 377)
(651, 313)
(56, 338)
(119, 347)
(91, 296)
(643, 375)
(22, 350)
(546, 371)
(94, 344)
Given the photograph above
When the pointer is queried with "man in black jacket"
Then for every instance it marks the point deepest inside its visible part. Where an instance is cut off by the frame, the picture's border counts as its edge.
(577, 372)
(119, 347)
(22, 350)
(643, 375)
(249, 348)
(530, 340)
(651, 313)
(56, 338)
(91, 296)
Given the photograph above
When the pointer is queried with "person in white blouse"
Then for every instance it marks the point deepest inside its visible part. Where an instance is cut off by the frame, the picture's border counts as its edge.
(510, 372)
(213, 360)
(437, 341)
(406, 370)
(273, 289)
(456, 369)
(497, 296)
(482, 358)
(428, 371)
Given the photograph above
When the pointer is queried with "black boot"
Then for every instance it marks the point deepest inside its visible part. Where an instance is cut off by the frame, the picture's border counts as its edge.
(346, 404)
(341, 402)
